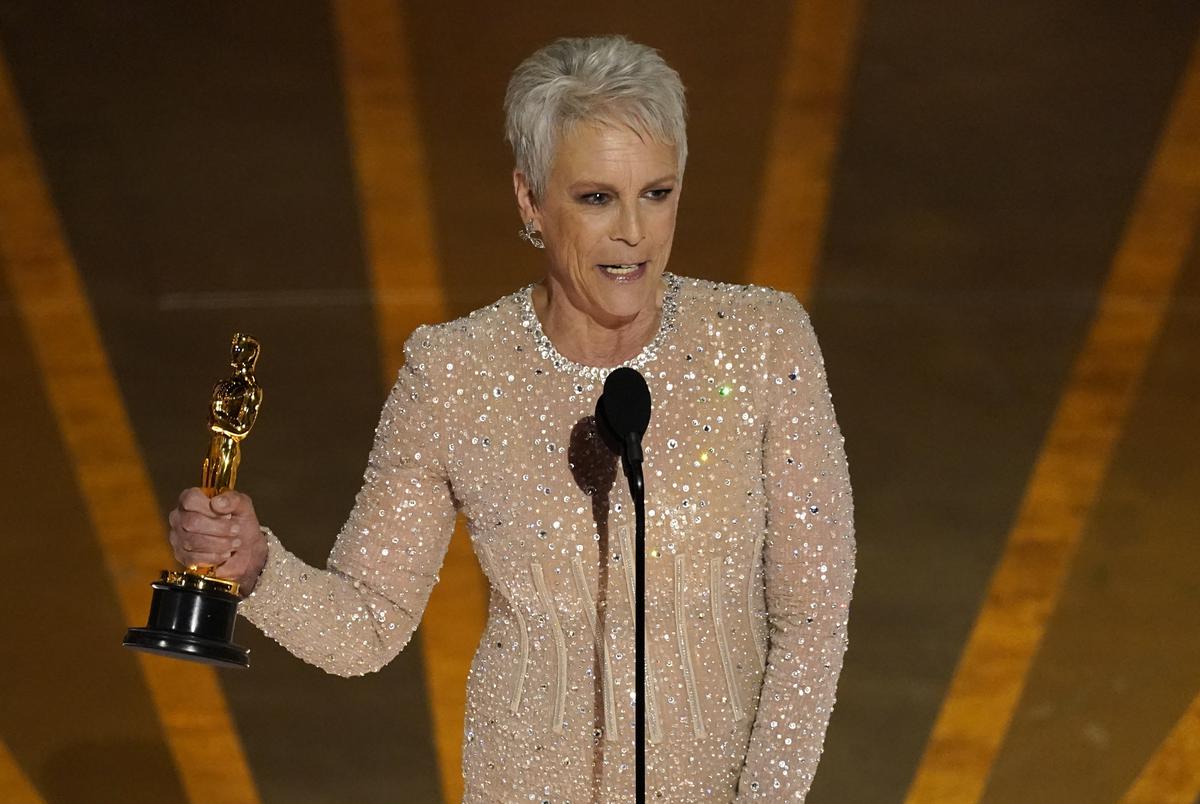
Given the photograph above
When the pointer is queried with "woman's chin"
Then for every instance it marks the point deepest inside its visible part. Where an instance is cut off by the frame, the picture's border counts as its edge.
(626, 296)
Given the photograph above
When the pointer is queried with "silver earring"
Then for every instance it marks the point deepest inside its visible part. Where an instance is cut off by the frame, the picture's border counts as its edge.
(531, 235)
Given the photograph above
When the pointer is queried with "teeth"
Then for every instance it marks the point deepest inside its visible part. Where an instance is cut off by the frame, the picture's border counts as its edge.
(621, 269)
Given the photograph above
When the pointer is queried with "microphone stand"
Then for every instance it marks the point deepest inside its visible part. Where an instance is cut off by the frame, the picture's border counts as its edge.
(631, 462)
(622, 414)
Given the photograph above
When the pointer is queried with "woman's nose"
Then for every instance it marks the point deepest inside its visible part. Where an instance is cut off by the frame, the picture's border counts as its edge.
(628, 226)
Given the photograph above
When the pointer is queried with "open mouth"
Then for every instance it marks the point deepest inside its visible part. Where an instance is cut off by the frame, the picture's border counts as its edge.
(624, 272)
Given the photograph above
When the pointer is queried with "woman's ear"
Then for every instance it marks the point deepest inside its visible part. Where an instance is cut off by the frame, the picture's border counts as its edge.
(526, 200)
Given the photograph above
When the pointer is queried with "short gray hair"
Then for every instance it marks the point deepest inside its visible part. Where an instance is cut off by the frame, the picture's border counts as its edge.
(606, 79)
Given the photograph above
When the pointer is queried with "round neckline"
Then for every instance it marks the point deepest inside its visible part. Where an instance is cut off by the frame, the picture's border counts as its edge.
(649, 352)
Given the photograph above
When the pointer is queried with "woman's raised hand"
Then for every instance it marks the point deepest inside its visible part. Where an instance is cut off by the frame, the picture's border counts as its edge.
(220, 532)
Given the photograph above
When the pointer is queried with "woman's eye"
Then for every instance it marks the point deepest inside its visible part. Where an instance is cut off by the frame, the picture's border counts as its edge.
(595, 199)
(660, 194)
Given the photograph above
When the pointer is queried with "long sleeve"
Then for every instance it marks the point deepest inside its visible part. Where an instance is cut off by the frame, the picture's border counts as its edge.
(359, 613)
(808, 563)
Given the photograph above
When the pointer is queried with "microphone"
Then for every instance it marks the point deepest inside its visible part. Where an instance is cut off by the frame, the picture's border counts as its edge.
(622, 415)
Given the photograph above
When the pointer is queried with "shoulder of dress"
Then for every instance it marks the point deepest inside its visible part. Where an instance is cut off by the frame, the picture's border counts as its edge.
(456, 337)
(745, 302)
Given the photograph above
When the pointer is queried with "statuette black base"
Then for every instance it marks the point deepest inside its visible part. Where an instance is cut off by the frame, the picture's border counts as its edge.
(191, 623)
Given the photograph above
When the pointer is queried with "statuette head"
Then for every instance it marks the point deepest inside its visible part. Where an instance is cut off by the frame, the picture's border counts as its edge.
(243, 353)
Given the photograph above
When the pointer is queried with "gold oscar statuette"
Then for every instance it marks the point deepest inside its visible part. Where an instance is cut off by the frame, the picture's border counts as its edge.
(193, 612)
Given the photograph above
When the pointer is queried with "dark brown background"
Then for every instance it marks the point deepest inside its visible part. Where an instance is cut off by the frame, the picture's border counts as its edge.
(990, 156)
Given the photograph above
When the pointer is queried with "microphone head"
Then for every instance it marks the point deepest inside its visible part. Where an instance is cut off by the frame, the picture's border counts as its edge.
(623, 407)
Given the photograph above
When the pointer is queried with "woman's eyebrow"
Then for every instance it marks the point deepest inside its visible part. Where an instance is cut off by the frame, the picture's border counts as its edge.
(590, 184)
(669, 178)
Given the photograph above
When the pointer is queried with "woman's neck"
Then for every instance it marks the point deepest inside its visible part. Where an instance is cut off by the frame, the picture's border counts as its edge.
(580, 338)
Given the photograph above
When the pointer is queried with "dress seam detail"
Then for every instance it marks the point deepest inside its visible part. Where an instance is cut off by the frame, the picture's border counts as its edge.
(519, 685)
(653, 726)
(689, 674)
(759, 649)
(601, 640)
(735, 701)
(560, 646)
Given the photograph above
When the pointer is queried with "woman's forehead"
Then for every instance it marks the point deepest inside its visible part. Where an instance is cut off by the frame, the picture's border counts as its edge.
(609, 148)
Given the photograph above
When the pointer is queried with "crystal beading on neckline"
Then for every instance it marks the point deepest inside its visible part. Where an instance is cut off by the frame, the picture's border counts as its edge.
(649, 353)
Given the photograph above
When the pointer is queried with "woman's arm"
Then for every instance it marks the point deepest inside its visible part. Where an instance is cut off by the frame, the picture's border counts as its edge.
(808, 563)
(355, 616)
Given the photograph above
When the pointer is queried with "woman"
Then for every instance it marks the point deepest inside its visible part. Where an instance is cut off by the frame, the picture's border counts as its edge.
(749, 536)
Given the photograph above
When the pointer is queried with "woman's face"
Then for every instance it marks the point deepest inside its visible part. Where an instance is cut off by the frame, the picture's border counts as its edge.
(608, 219)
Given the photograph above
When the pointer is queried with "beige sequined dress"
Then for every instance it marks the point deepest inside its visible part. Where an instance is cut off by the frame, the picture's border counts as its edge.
(749, 539)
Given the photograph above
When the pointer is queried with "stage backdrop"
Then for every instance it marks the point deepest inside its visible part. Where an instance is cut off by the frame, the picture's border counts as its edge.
(990, 210)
